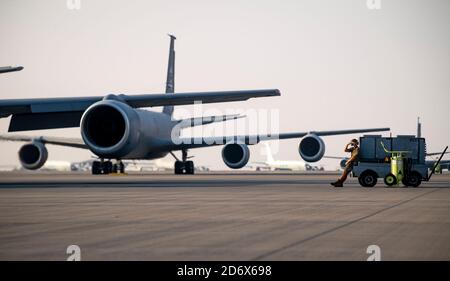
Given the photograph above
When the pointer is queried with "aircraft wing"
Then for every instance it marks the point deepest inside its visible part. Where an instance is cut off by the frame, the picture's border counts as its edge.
(188, 143)
(436, 153)
(70, 142)
(52, 113)
(80, 104)
(431, 163)
(196, 142)
(333, 157)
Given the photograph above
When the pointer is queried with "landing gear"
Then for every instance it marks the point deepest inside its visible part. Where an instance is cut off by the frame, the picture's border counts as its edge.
(107, 167)
(184, 166)
(101, 167)
(118, 168)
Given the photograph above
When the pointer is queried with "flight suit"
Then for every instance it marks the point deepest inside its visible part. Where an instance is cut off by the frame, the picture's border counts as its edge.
(349, 165)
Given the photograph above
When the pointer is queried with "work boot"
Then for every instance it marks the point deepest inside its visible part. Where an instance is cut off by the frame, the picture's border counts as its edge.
(337, 183)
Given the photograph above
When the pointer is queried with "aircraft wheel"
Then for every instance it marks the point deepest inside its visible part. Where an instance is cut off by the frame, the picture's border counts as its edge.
(99, 168)
(96, 169)
(107, 167)
(178, 169)
(189, 165)
(390, 179)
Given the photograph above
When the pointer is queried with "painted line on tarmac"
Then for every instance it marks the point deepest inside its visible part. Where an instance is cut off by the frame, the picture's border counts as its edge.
(265, 255)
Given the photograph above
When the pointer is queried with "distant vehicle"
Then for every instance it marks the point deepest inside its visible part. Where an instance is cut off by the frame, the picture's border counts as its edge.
(7, 168)
(278, 165)
(54, 165)
(131, 165)
(149, 165)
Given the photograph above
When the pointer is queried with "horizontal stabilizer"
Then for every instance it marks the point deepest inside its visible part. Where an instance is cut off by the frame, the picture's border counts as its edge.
(197, 121)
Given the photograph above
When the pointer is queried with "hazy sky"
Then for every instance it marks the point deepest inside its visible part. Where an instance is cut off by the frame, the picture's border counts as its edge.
(338, 64)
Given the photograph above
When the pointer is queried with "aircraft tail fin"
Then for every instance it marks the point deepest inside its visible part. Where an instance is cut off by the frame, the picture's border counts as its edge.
(419, 128)
(170, 82)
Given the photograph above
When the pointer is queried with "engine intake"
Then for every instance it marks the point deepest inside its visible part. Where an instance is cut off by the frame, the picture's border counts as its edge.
(105, 126)
(311, 148)
(110, 128)
(33, 155)
(235, 155)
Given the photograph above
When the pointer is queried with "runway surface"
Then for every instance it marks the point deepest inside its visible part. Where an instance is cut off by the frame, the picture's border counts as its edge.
(219, 216)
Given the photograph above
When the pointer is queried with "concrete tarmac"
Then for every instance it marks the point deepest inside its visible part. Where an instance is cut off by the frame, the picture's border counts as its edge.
(219, 216)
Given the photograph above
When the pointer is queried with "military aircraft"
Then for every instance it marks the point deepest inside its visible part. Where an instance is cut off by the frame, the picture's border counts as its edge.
(5, 69)
(114, 127)
(272, 164)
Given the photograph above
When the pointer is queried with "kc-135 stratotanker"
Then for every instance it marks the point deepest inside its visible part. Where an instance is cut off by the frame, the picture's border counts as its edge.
(114, 127)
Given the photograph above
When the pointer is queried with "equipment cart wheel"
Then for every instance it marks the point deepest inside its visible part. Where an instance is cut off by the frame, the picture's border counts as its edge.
(368, 179)
(414, 179)
(390, 180)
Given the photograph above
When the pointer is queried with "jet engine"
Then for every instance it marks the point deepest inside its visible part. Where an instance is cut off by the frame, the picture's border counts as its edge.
(342, 163)
(311, 148)
(33, 155)
(110, 128)
(235, 155)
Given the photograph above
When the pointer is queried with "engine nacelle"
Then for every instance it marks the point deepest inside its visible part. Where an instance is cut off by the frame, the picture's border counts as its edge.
(342, 162)
(110, 128)
(311, 148)
(235, 155)
(33, 155)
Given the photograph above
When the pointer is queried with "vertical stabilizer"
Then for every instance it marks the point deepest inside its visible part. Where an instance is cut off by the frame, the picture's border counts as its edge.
(419, 128)
(170, 81)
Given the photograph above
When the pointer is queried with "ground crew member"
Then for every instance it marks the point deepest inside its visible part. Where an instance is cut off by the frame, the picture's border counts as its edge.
(353, 148)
